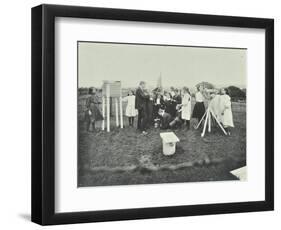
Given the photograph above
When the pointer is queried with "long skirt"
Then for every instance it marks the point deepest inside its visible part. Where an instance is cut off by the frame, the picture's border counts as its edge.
(199, 110)
(93, 113)
(227, 118)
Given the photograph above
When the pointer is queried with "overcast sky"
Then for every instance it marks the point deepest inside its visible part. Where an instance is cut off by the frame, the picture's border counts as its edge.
(179, 66)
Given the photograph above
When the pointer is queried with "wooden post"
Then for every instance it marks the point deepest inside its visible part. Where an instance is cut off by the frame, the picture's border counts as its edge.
(108, 107)
(110, 103)
(116, 112)
(202, 119)
(121, 113)
(219, 123)
(205, 124)
(103, 112)
(209, 123)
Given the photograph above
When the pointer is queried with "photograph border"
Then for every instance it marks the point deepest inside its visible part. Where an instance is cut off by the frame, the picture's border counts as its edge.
(43, 113)
(130, 44)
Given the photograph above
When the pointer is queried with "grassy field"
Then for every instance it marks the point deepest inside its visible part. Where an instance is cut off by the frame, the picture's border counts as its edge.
(124, 156)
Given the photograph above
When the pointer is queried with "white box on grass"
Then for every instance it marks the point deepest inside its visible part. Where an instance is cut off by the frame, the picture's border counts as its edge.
(169, 140)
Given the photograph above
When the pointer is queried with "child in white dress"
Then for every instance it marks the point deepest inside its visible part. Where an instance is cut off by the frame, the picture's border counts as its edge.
(131, 111)
(186, 107)
(226, 112)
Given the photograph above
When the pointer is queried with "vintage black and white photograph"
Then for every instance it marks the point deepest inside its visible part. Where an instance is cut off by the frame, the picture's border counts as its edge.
(153, 113)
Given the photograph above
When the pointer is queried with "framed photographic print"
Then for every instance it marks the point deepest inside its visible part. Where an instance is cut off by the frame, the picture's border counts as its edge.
(143, 114)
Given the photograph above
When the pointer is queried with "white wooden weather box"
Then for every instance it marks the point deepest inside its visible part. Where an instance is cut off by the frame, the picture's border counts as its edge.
(111, 89)
(169, 140)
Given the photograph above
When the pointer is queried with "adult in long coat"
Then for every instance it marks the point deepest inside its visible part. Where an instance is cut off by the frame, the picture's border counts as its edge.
(150, 111)
(92, 113)
(141, 105)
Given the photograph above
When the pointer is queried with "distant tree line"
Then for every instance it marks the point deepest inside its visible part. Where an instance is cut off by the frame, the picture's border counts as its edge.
(235, 93)
(87, 90)
(83, 91)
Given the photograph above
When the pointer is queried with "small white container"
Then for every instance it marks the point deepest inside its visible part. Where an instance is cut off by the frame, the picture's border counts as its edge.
(169, 140)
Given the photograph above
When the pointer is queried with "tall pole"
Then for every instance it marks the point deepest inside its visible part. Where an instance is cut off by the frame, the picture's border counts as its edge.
(108, 107)
(103, 112)
(209, 123)
(121, 113)
(116, 111)
(205, 124)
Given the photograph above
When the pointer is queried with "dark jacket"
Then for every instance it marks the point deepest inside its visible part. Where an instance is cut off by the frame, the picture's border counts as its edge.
(92, 112)
(177, 99)
(170, 107)
(150, 111)
(141, 99)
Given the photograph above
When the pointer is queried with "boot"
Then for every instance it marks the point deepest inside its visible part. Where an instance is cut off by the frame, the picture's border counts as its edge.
(188, 124)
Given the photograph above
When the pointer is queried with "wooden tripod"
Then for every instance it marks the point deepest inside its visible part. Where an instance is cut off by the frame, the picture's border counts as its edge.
(208, 121)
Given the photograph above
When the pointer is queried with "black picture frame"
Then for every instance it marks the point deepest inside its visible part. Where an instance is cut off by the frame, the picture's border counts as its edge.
(43, 113)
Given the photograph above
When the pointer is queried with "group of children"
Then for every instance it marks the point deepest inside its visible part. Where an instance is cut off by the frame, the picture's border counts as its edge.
(170, 109)
(162, 109)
